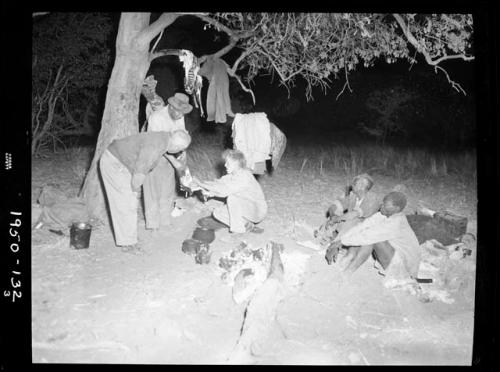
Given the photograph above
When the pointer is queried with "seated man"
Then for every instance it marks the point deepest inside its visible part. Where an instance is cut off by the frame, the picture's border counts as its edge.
(388, 236)
(124, 166)
(245, 204)
(346, 212)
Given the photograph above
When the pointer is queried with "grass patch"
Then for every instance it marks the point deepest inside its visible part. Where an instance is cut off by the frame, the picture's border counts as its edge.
(387, 160)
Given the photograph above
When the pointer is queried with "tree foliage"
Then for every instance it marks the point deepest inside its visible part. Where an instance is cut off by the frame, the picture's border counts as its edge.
(320, 47)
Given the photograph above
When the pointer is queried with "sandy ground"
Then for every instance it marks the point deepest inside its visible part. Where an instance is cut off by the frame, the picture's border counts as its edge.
(100, 305)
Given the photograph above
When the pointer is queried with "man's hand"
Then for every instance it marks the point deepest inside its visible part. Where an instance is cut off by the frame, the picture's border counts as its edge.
(332, 252)
(137, 181)
(334, 219)
(331, 210)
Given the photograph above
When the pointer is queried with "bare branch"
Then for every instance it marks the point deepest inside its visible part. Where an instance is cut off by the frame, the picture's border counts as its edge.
(456, 56)
(165, 52)
(227, 30)
(240, 58)
(36, 14)
(454, 84)
(248, 90)
(428, 58)
(157, 41)
(234, 37)
(345, 85)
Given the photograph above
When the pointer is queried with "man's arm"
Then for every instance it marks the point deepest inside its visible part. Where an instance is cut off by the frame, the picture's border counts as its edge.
(230, 184)
(370, 205)
(374, 229)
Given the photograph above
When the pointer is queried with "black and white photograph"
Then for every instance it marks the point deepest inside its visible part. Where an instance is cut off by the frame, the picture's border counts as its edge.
(253, 188)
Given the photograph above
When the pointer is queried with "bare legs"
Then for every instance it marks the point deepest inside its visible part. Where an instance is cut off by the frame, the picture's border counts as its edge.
(356, 256)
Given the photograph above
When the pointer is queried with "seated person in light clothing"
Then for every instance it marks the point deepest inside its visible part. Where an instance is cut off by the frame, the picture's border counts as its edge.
(124, 166)
(387, 236)
(245, 204)
(359, 203)
(349, 210)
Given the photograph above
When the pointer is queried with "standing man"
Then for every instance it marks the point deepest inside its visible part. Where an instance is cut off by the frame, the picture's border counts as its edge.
(124, 167)
(159, 186)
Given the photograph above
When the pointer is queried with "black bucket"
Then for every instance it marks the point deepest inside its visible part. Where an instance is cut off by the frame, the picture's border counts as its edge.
(79, 235)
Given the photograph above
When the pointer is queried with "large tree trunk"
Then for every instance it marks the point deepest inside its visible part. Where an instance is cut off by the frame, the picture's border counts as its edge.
(120, 117)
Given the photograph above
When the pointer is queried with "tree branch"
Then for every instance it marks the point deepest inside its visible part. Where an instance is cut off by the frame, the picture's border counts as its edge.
(157, 41)
(148, 34)
(345, 85)
(164, 52)
(433, 62)
(409, 36)
(248, 90)
(234, 37)
(454, 84)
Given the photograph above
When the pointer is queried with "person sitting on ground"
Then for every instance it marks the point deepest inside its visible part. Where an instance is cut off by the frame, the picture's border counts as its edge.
(346, 212)
(387, 236)
(245, 204)
(124, 166)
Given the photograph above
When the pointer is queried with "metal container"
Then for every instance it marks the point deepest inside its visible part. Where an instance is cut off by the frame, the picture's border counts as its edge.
(203, 255)
(190, 246)
(79, 235)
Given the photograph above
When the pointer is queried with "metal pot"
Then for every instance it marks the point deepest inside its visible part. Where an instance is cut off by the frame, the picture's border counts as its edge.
(204, 235)
(191, 246)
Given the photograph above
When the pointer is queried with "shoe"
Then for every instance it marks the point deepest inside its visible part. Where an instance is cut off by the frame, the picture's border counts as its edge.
(133, 249)
(250, 227)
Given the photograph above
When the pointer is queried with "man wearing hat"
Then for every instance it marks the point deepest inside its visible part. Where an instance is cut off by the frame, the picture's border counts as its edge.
(159, 186)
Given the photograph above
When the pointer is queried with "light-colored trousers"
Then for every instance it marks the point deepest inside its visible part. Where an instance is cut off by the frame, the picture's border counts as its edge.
(122, 199)
(159, 194)
(237, 211)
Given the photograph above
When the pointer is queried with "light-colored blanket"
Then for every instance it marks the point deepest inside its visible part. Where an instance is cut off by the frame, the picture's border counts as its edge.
(251, 135)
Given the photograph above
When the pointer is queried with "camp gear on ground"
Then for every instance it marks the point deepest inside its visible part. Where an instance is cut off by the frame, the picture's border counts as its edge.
(79, 235)
(437, 227)
(190, 246)
(203, 255)
(58, 211)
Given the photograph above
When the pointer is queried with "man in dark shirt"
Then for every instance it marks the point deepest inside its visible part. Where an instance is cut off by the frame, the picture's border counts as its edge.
(124, 166)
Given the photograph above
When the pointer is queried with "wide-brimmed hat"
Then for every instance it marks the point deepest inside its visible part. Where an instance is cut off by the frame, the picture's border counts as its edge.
(180, 102)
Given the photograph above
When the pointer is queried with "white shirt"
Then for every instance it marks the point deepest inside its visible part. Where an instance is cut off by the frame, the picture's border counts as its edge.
(160, 121)
(394, 229)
